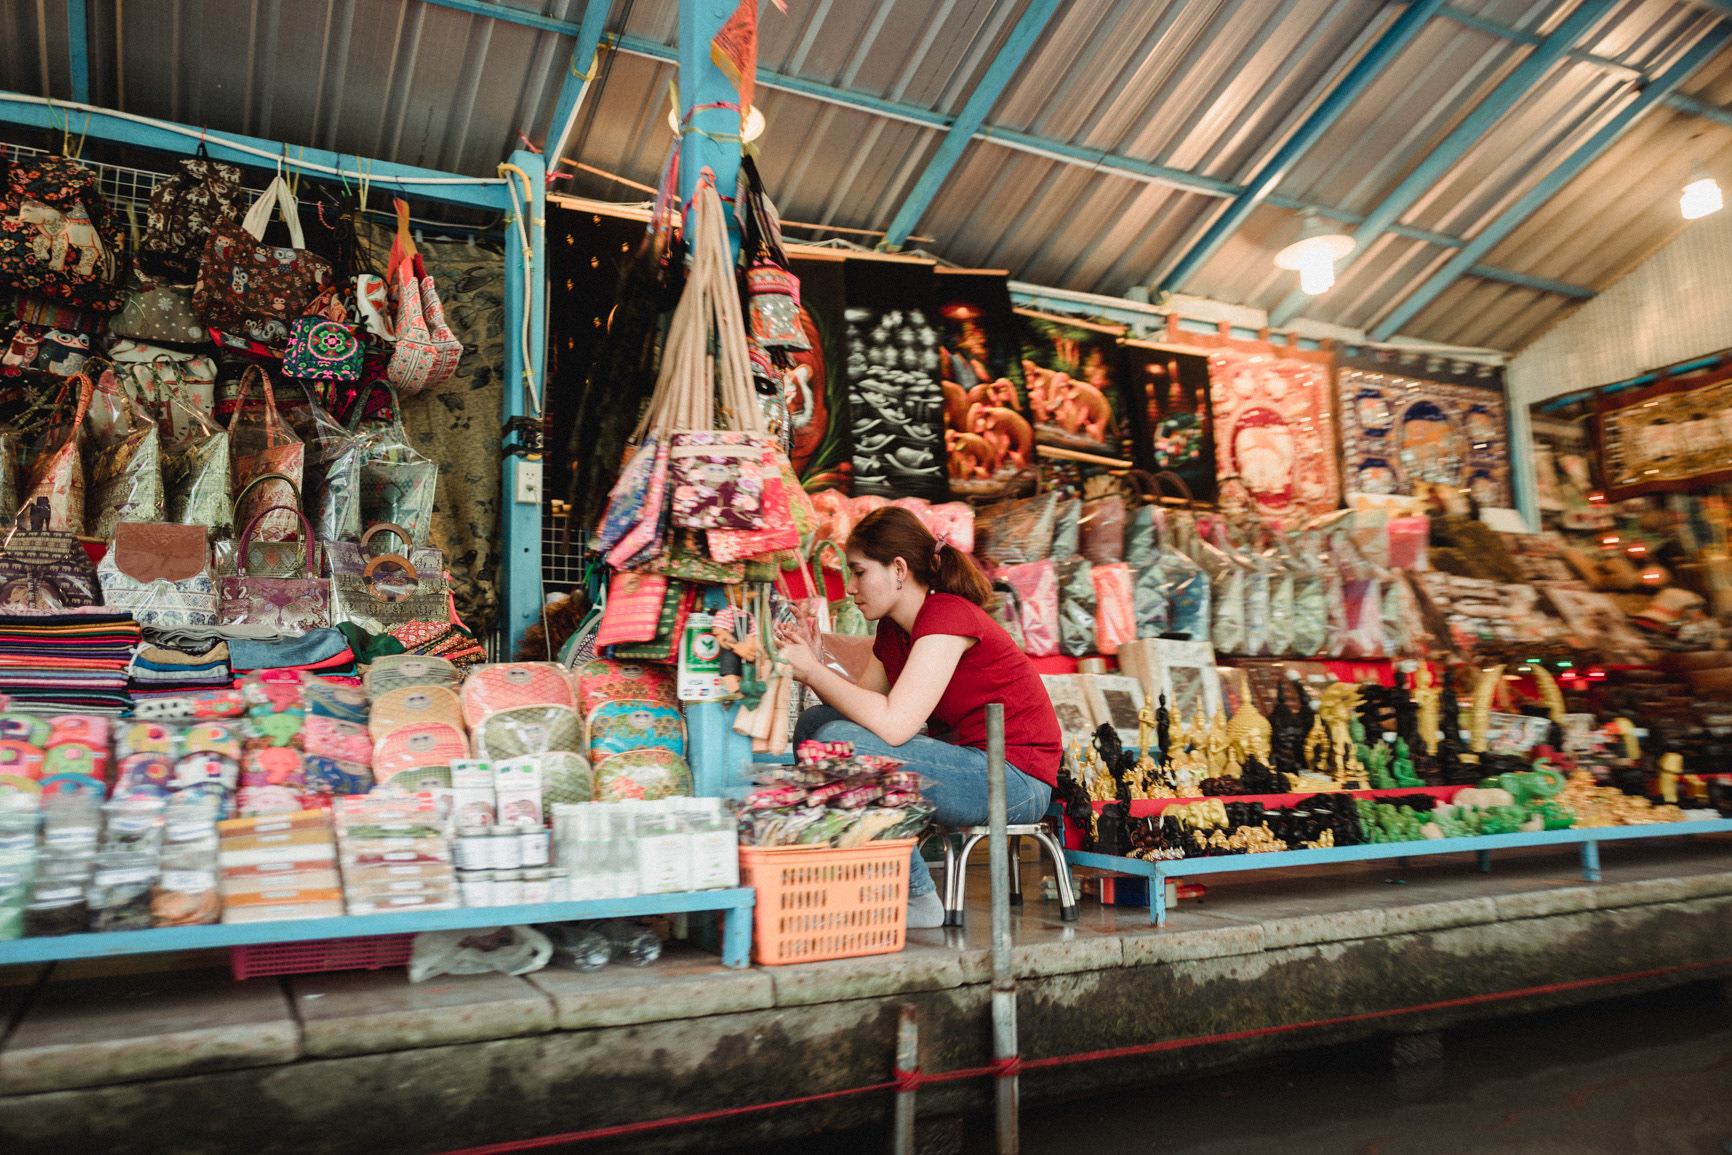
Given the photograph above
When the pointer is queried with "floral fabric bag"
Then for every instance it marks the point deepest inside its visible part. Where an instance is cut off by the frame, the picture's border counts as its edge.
(254, 289)
(53, 496)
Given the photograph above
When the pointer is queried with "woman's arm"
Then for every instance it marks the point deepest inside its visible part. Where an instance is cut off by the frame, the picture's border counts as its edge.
(895, 716)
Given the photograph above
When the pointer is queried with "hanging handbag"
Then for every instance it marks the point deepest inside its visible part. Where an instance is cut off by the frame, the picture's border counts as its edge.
(281, 557)
(44, 570)
(772, 290)
(262, 448)
(183, 210)
(414, 357)
(778, 533)
(445, 343)
(159, 313)
(160, 575)
(171, 386)
(670, 626)
(324, 350)
(292, 604)
(397, 483)
(32, 348)
(126, 475)
(195, 480)
(633, 608)
(53, 496)
(716, 476)
(59, 239)
(407, 588)
(254, 289)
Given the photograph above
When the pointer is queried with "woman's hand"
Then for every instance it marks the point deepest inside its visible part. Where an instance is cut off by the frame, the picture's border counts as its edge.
(792, 648)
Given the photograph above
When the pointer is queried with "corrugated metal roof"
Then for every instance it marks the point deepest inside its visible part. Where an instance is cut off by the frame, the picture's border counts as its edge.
(1209, 87)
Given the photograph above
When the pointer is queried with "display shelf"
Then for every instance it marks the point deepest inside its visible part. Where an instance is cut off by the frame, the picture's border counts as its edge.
(1588, 838)
(735, 903)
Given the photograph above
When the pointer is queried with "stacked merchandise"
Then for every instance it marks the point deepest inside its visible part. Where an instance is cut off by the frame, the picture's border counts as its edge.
(277, 867)
(832, 796)
(395, 852)
(232, 438)
(61, 663)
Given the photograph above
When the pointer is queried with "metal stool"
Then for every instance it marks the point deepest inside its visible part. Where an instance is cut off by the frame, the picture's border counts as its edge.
(956, 868)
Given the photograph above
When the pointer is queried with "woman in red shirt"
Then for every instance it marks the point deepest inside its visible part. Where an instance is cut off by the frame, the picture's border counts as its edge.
(938, 661)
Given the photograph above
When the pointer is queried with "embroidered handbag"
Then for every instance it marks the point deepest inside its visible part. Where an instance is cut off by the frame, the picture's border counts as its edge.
(606, 680)
(649, 773)
(445, 343)
(373, 302)
(183, 210)
(161, 314)
(32, 348)
(413, 705)
(414, 358)
(292, 604)
(324, 350)
(258, 290)
(779, 531)
(633, 609)
(58, 237)
(772, 291)
(53, 494)
(644, 540)
(159, 574)
(676, 607)
(261, 446)
(45, 570)
(413, 748)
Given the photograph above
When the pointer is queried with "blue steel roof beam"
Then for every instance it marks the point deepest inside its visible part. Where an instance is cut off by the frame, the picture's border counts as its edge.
(986, 93)
(576, 83)
(1520, 81)
(1269, 174)
(1548, 186)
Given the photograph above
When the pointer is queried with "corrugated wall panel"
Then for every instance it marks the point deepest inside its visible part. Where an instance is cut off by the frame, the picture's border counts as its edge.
(1675, 306)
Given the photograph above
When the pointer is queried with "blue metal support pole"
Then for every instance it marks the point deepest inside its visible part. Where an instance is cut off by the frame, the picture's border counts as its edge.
(78, 48)
(1549, 185)
(715, 752)
(701, 83)
(520, 476)
(986, 93)
(576, 85)
(180, 139)
(1271, 172)
(1520, 81)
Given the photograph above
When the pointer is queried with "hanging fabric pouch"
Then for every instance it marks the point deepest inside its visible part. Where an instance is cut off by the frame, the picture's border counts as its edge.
(253, 289)
(126, 475)
(324, 350)
(262, 446)
(53, 495)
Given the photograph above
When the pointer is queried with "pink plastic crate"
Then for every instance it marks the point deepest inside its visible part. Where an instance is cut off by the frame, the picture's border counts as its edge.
(364, 953)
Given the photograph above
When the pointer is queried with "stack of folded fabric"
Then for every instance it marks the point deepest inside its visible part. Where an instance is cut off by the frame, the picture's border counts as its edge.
(76, 661)
(324, 652)
(163, 667)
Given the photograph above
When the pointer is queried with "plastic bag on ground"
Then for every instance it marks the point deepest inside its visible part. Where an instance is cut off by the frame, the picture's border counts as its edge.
(511, 950)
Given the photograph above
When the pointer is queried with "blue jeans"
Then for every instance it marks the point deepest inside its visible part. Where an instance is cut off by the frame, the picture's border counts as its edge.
(959, 774)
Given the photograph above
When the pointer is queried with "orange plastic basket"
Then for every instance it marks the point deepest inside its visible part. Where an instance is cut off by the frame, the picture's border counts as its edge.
(818, 903)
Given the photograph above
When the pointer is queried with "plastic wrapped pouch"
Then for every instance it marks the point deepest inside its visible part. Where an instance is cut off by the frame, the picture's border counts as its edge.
(1101, 530)
(648, 774)
(262, 445)
(1227, 593)
(1310, 617)
(1149, 600)
(1363, 600)
(1279, 576)
(1076, 607)
(1005, 608)
(333, 478)
(1115, 614)
(529, 730)
(1066, 531)
(397, 483)
(1140, 547)
(1183, 584)
(126, 475)
(1036, 586)
(1015, 532)
(1257, 604)
(195, 480)
(1400, 611)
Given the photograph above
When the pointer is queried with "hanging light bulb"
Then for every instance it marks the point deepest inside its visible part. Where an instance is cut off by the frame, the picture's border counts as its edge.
(1314, 255)
(1701, 196)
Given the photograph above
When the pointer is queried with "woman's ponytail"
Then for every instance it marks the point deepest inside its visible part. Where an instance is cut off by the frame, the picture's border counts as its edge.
(893, 532)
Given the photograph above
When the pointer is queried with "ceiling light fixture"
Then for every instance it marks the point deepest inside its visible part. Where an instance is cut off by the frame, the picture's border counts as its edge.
(752, 129)
(1701, 196)
(1314, 254)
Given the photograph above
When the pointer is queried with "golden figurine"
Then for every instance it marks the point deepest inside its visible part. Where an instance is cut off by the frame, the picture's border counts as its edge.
(1216, 745)
(1146, 727)
(1248, 735)
(1428, 697)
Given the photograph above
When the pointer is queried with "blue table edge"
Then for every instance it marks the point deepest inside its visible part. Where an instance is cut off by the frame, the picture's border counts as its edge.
(736, 902)
(1588, 837)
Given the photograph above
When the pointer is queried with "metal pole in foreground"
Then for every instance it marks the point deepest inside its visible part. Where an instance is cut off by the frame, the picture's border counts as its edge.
(1003, 980)
(907, 1059)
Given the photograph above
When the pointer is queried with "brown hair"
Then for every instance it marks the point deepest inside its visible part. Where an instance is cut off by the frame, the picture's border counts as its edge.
(893, 532)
